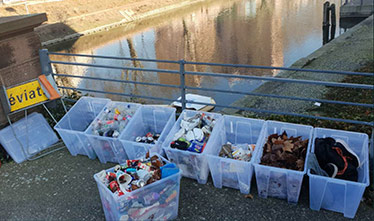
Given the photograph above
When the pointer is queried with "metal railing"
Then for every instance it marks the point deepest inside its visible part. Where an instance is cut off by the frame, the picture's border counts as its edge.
(183, 87)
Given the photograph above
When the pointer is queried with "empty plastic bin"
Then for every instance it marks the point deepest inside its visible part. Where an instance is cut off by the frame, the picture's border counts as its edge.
(72, 126)
(149, 119)
(193, 165)
(32, 136)
(158, 200)
(110, 149)
(279, 182)
(230, 172)
(336, 194)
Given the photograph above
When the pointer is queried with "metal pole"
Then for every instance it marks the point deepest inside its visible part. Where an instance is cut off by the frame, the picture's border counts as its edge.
(182, 84)
(45, 62)
(333, 22)
(371, 157)
(326, 22)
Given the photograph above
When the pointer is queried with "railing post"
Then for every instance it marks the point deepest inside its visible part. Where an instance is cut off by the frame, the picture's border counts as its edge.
(333, 22)
(45, 62)
(182, 83)
(326, 22)
(371, 157)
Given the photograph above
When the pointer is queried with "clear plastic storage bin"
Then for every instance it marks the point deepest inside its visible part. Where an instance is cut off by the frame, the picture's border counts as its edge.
(72, 126)
(279, 182)
(32, 137)
(158, 200)
(149, 119)
(336, 194)
(193, 165)
(109, 149)
(230, 172)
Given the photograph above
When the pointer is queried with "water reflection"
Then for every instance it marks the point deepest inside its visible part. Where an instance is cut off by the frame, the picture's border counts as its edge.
(256, 32)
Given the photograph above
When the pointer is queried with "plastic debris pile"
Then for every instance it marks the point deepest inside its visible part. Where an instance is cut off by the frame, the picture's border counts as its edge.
(131, 198)
(159, 203)
(135, 174)
(285, 152)
(149, 138)
(194, 133)
(113, 120)
(242, 152)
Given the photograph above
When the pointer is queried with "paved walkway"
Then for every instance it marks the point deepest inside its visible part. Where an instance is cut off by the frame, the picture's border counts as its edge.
(61, 187)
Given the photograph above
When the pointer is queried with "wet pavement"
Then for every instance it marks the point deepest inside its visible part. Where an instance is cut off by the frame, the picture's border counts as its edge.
(61, 187)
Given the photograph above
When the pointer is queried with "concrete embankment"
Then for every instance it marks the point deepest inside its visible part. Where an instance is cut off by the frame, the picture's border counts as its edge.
(350, 51)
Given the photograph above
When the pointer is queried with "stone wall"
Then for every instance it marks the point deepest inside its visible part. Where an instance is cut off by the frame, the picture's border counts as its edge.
(19, 51)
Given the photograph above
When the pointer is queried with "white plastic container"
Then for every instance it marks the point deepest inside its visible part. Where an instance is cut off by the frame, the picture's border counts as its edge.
(109, 149)
(148, 119)
(119, 207)
(337, 194)
(193, 165)
(279, 182)
(230, 172)
(73, 125)
(34, 136)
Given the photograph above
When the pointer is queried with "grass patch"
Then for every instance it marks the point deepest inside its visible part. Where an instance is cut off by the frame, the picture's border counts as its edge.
(336, 110)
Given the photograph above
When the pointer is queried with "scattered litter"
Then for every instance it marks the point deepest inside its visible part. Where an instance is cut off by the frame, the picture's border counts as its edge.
(250, 196)
(281, 151)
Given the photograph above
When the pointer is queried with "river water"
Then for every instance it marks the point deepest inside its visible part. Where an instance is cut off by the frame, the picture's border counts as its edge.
(255, 32)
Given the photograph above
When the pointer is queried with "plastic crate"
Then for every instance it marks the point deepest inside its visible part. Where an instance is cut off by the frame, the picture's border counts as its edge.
(34, 133)
(153, 119)
(109, 149)
(230, 172)
(72, 126)
(117, 207)
(279, 182)
(193, 165)
(337, 194)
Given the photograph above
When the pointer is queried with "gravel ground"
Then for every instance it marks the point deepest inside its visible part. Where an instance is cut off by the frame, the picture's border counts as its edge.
(61, 187)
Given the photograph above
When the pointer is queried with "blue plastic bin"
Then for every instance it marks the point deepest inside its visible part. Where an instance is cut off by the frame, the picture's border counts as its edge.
(31, 139)
(230, 172)
(336, 194)
(279, 182)
(153, 119)
(193, 165)
(72, 126)
(109, 149)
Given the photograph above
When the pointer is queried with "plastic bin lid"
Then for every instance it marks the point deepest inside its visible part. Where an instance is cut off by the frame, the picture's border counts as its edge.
(37, 135)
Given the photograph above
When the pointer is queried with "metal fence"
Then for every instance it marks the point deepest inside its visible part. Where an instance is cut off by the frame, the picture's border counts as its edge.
(182, 72)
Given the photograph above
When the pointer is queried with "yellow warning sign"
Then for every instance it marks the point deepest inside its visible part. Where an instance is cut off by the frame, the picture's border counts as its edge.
(25, 95)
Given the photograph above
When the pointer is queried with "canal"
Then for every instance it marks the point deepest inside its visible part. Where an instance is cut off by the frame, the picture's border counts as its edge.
(255, 32)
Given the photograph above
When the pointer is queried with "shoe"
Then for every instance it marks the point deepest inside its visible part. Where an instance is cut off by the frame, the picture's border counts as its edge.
(336, 158)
